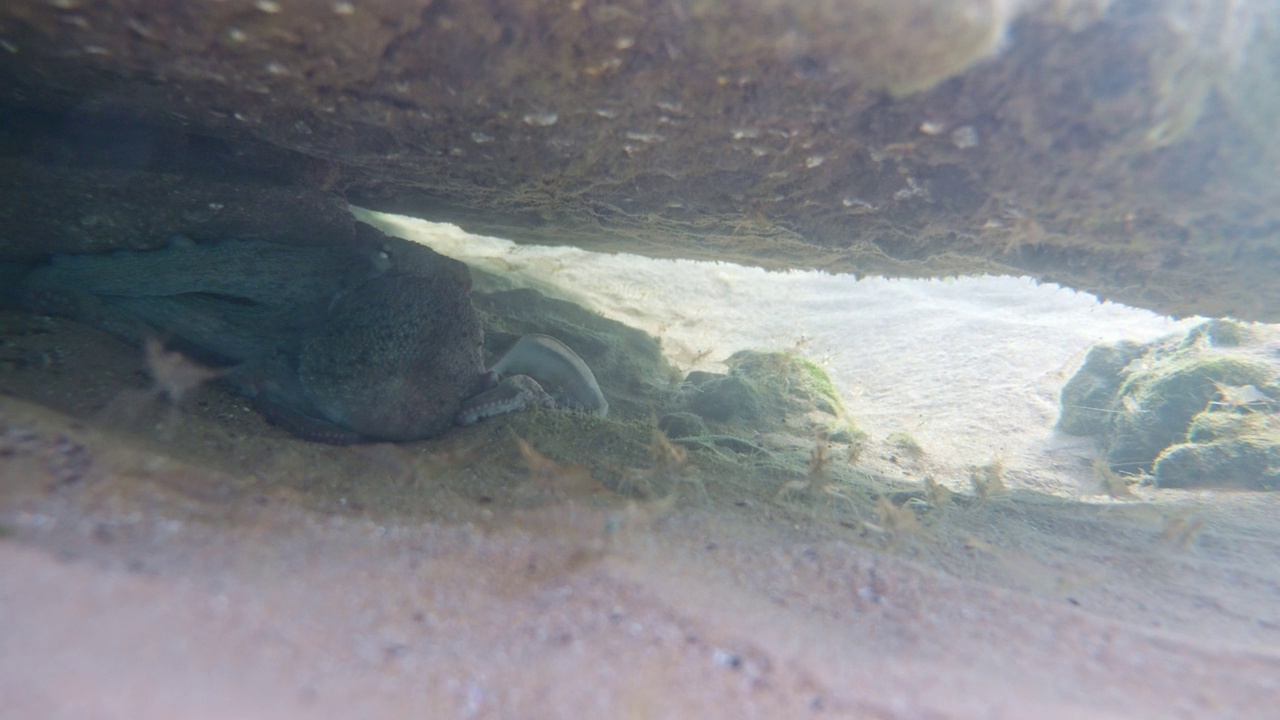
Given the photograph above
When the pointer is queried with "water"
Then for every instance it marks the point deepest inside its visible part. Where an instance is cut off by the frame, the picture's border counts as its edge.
(971, 367)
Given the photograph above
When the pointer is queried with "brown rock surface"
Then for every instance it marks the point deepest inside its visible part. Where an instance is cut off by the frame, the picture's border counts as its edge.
(1121, 148)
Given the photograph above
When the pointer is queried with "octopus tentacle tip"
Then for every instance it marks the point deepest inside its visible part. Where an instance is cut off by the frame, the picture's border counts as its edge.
(513, 393)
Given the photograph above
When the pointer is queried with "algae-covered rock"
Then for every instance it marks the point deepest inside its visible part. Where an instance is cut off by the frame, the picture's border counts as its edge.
(765, 389)
(1088, 395)
(1157, 404)
(680, 425)
(1224, 449)
(794, 382)
(1197, 409)
(1219, 332)
(726, 398)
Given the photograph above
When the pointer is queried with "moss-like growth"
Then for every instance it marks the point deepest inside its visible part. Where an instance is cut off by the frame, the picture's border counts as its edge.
(1088, 396)
(1195, 410)
(820, 383)
(763, 392)
(679, 425)
(905, 444)
(847, 433)
(1158, 404)
(798, 382)
(727, 398)
(1213, 426)
(1224, 449)
(1219, 332)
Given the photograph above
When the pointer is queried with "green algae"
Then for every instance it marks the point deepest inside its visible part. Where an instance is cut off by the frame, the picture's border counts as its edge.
(1192, 410)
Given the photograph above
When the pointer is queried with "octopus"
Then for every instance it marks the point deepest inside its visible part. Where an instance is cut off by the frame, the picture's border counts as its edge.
(374, 341)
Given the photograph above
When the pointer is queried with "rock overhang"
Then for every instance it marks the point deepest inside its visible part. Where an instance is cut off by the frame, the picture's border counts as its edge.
(1117, 148)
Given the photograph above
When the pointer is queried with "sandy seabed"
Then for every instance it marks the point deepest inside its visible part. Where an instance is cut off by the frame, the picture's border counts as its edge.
(191, 562)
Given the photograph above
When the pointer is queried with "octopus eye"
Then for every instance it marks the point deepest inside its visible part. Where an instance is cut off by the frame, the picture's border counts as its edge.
(381, 262)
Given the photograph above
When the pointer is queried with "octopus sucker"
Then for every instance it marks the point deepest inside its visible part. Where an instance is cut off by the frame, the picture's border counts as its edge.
(512, 394)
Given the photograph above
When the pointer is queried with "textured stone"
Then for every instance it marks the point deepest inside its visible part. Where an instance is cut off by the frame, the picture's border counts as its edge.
(1121, 148)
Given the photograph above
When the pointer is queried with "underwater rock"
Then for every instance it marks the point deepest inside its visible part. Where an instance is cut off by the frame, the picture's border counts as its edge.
(1220, 332)
(797, 383)
(1194, 410)
(1158, 404)
(1224, 449)
(724, 399)
(200, 117)
(699, 377)
(679, 425)
(768, 392)
(1088, 395)
(763, 387)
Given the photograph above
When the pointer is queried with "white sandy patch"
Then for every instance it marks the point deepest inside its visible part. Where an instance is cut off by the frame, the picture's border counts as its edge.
(971, 368)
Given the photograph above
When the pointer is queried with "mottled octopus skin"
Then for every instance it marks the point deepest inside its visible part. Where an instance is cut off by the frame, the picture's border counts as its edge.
(378, 341)
(396, 358)
(510, 395)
